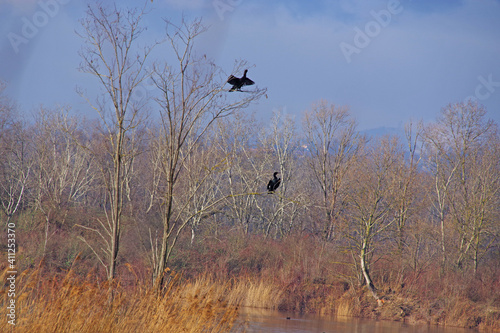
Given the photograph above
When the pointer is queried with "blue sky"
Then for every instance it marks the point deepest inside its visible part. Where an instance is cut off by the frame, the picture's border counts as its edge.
(390, 61)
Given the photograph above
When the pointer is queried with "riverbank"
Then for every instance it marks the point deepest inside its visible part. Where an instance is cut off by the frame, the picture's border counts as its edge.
(449, 308)
(306, 275)
(212, 277)
(68, 302)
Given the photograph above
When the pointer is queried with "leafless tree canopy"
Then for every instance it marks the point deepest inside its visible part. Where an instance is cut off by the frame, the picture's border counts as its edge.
(190, 162)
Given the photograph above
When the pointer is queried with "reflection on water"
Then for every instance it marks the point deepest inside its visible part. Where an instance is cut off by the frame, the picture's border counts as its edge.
(262, 320)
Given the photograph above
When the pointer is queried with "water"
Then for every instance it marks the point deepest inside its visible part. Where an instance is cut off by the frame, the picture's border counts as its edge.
(262, 320)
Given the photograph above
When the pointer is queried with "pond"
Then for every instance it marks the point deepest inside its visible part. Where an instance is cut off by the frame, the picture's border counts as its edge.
(262, 320)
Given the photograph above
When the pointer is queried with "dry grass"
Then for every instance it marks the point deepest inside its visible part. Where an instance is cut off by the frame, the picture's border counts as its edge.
(257, 294)
(49, 303)
(254, 275)
(70, 304)
(344, 308)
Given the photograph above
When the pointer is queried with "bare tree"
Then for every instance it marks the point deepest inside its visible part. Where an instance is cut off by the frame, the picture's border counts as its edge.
(405, 185)
(203, 181)
(110, 54)
(191, 98)
(443, 172)
(371, 203)
(281, 143)
(246, 173)
(15, 164)
(332, 142)
(457, 144)
(481, 194)
(63, 168)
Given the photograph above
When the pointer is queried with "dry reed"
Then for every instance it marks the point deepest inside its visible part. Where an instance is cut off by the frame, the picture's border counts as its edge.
(258, 294)
(72, 304)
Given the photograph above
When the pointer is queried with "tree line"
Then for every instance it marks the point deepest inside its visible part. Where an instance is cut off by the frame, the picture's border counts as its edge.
(191, 159)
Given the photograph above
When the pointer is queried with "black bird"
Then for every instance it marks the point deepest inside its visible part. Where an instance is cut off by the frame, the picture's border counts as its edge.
(239, 82)
(273, 183)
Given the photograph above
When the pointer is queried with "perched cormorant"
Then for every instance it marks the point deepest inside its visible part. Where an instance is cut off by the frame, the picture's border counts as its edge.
(273, 183)
(239, 82)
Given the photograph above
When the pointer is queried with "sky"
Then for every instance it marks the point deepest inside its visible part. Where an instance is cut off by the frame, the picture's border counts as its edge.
(389, 61)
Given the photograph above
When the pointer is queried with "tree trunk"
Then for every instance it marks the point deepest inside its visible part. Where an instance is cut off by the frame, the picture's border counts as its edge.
(366, 272)
(162, 262)
(443, 244)
(115, 236)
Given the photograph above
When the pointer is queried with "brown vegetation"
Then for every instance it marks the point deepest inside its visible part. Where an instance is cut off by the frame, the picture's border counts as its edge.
(396, 227)
(68, 303)
(283, 274)
(294, 277)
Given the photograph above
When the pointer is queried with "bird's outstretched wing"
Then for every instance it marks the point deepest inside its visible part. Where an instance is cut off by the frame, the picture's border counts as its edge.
(233, 80)
(247, 82)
